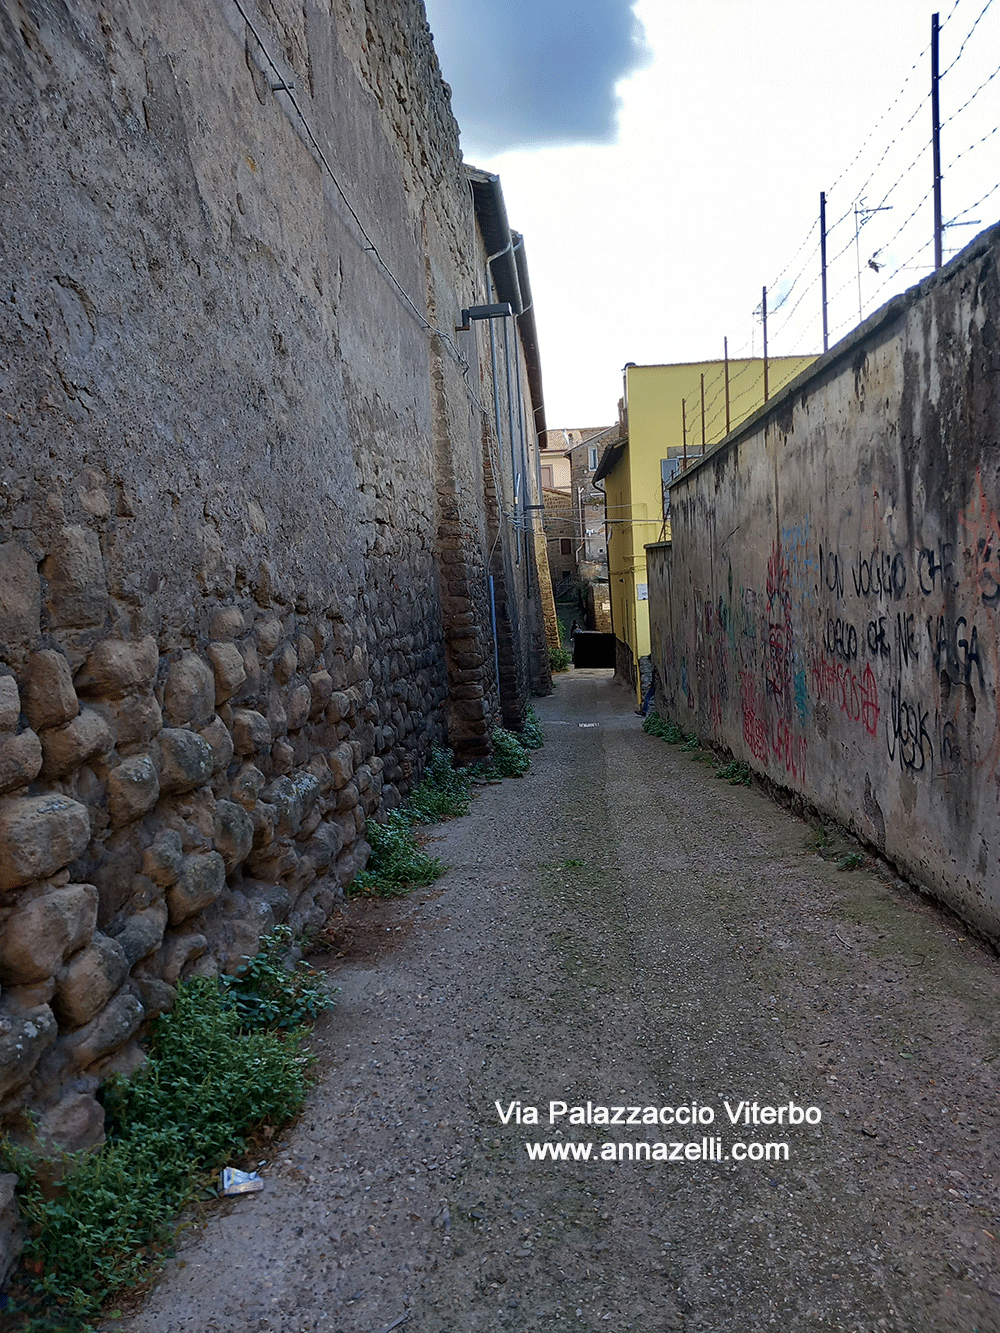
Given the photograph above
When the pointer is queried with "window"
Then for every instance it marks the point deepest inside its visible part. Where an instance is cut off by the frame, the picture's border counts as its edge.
(565, 546)
(592, 458)
(547, 475)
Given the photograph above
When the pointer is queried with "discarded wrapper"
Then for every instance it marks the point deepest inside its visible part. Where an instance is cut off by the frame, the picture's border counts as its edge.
(239, 1182)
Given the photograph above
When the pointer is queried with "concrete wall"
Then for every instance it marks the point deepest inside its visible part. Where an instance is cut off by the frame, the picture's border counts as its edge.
(248, 503)
(828, 609)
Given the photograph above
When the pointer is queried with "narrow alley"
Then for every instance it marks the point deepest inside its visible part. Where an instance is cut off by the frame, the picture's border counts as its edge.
(622, 928)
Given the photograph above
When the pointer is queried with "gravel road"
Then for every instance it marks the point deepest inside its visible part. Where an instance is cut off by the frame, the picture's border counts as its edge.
(621, 928)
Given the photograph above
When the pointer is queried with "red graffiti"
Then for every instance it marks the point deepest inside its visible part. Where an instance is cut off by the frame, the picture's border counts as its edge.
(855, 696)
(790, 749)
(754, 726)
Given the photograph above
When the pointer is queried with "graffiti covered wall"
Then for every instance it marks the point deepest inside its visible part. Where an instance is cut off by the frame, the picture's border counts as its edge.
(829, 608)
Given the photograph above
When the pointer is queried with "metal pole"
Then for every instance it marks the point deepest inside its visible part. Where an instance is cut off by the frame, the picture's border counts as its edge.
(725, 352)
(763, 307)
(822, 260)
(703, 414)
(684, 429)
(936, 141)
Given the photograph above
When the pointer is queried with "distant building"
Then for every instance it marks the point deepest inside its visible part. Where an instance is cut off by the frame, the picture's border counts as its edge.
(669, 416)
(574, 514)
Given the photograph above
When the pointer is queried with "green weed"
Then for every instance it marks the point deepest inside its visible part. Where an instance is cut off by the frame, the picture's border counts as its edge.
(398, 863)
(267, 994)
(531, 735)
(510, 758)
(851, 861)
(736, 773)
(560, 659)
(691, 744)
(655, 725)
(443, 793)
(212, 1076)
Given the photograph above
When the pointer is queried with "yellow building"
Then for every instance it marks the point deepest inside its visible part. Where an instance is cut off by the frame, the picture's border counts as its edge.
(669, 415)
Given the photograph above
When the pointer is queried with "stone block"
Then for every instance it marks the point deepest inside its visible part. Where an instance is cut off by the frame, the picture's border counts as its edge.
(320, 692)
(286, 799)
(157, 995)
(282, 756)
(338, 708)
(66, 748)
(325, 844)
(10, 704)
(88, 980)
(20, 760)
(234, 934)
(21, 999)
(38, 836)
(177, 951)
(111, 1028)
(119, 667)
(233, 833)
(186, 760)
(141, 934)
(285, 664)
(132, 721)
(265, 821)
(200, 883)
(23, 1038)
(228, 622)
(230, 673)
(268, 633)
(247, 786)
(74, 1124)
(299, 706)
(251, 665)
(163, 861)
(216, 736)
(277, 714)
(341, 761)
(20, 602)
(347, 797)
(47, 695)
(251, 731)
(40, 935)
(189, 694)
(133, 788)
(77, 585)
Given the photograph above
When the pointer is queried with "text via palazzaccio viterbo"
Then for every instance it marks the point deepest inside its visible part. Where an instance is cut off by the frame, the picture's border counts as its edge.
(695, 1131)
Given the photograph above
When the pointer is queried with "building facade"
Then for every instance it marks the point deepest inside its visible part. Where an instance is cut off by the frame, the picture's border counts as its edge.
(669, 415)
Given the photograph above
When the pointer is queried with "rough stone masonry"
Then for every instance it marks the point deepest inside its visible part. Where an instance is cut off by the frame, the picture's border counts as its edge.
(236, 470)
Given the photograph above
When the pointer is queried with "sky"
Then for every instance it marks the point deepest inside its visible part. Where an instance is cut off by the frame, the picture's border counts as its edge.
(664, 161)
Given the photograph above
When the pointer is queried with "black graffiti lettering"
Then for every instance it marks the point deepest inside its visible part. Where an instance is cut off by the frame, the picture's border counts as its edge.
(840, 639)
(880, 575)
(989, 584)
(906, 733)
(950, 751)
(931, 563)
(878, 644)
(906, 643)
(831, 572)
(954, 648)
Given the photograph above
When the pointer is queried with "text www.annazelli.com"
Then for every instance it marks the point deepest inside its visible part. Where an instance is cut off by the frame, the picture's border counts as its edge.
(696, 1150)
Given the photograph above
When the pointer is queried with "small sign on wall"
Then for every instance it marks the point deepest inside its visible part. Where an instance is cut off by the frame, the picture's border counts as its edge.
(642, 592)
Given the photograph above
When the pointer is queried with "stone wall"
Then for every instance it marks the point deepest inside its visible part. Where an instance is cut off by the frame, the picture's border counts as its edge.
(244, 521)
(828, 608)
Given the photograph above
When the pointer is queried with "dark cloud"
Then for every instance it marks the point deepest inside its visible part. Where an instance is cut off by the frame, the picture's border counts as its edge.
(531, 72)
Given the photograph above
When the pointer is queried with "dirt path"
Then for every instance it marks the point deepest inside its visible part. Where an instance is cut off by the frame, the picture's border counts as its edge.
(622, 927)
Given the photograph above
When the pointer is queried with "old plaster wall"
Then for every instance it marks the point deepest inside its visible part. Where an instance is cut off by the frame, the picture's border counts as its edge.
(243, 534)
(828, 608)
